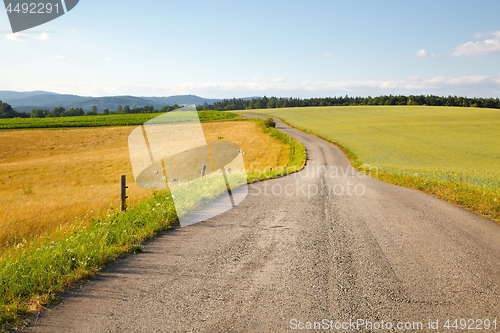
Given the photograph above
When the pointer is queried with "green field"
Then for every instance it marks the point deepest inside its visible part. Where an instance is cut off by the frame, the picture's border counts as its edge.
(101, 120)
(451, 152)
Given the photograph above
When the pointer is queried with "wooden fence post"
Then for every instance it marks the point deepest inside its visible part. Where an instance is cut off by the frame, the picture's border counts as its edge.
(124, 196)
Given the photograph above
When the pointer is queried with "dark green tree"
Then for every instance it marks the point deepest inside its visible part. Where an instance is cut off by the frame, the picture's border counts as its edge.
(57, 112)
(39, 113)
(93, 110)
(6, 111)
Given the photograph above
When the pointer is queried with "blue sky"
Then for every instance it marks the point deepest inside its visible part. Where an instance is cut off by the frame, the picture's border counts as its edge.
(236, 49)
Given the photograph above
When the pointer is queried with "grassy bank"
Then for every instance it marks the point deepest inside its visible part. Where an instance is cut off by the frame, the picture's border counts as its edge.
(296, 155)
(482, 200)
(451, 153)
(33, 277)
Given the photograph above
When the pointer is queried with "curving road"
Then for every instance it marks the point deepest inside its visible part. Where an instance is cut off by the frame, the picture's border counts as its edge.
(325, 243)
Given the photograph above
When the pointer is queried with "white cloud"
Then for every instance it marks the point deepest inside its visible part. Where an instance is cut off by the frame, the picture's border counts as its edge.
(462, 85)
(484, 35)
(471, 86)
(327, 55)
(424, 54)
(481, 86)
(487, 46)
(61, 57)
(109, 58)
(24, 37)
(466, 79)
(44, 36)
(18, 37)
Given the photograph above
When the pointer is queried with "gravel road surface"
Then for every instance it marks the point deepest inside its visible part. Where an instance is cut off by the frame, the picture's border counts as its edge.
(322, 244)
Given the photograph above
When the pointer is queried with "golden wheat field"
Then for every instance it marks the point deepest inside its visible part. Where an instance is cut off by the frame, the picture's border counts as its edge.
(57, 177)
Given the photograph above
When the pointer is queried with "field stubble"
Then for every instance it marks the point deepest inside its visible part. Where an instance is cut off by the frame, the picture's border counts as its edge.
(51, 180)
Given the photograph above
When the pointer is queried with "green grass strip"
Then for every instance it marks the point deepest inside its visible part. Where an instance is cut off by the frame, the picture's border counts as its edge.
(38, 275)
(103, 120)
(297, 159)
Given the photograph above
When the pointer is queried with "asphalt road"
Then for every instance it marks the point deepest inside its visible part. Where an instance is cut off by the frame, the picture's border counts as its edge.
(324, 243)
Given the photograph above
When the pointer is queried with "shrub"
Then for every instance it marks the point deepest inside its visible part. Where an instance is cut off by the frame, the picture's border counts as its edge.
(269, 122)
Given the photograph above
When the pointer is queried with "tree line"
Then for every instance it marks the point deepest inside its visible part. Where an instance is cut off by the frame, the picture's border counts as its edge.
(62, 112)
(275, 102)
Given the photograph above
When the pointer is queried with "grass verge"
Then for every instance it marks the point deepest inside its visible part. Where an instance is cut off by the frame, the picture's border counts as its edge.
(33, 278)
(483, 201)
(297, 154)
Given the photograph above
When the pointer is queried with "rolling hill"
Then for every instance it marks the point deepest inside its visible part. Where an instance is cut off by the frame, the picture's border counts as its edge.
(26, 101)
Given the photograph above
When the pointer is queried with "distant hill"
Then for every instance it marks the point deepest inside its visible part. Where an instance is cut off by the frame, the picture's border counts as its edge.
(26, 101)
(182, 99)
(6, 95)
(45, 100)
(110, 103)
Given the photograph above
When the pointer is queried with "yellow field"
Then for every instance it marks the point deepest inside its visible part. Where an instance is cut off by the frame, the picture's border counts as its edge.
(55, 177)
